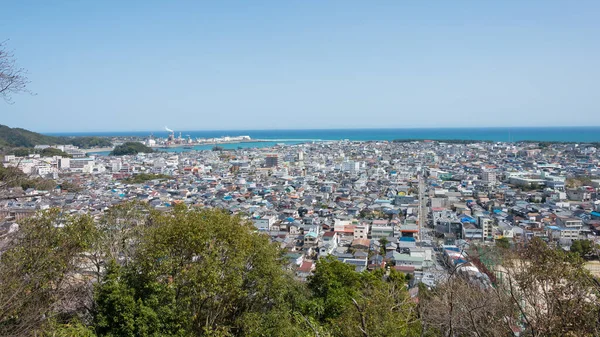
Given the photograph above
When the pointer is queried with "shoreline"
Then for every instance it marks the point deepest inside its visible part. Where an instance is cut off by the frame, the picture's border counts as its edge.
(240, 142)
(400, 140)
(98, 149)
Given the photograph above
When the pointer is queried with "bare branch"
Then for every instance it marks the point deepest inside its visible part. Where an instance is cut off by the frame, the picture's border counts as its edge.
(363, 323)
(13, 80)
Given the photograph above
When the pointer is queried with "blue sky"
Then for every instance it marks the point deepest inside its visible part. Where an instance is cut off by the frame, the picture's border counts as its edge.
(140, 65)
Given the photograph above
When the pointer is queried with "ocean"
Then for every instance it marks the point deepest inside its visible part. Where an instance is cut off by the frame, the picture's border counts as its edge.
(500, 134)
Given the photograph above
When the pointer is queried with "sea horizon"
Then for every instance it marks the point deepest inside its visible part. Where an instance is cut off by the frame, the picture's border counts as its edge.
(497, 134)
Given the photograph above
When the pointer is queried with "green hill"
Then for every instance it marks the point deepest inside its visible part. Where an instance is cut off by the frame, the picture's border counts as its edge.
(17, 137)
(130, 148)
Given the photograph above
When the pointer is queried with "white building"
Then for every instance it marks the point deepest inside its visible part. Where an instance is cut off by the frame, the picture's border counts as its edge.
(84, 165)
(489, 177)
(264, 223)
(361, 231)
(42, 170)
(63, 163)
(350, 166)
(487, 226)
(116, 165)
(567, 228)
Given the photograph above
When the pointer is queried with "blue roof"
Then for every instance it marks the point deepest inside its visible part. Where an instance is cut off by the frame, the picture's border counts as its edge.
(556, 228)
(468, 219)
(454, 249)
(595, 214)
(407, 239)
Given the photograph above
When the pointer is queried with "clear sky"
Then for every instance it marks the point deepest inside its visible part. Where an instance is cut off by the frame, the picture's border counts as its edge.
(201, 65)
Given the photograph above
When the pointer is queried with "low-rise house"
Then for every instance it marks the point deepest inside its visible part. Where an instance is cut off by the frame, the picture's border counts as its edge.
(305, 270)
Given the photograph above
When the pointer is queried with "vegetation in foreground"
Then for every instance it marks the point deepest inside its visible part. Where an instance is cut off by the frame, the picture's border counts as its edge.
(139, 272)
(185, 273)
(12, 177)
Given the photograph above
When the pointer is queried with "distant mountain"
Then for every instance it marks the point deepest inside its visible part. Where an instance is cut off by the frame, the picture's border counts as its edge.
(17, 137)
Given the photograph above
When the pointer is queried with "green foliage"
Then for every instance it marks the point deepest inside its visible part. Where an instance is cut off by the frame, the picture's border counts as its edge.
(333, 285)
(90, 142)
(383, 308)
(68, 329)
(184, 273)
(349, 303)
(503, 243)
(13, 177)
(118, 313)
(582, 248)
(542, 289)
(572, 295)
(194, 272)
(575, 182)
(530, 187)
(17, 137)
(70, 186)
(22, 152)
(382, 243)
(35, 264)
(143, 177)
(47, 152)
(130, 148)
(51, 152)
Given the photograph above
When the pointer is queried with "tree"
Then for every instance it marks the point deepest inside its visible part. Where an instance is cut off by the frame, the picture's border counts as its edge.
(553, 291)
(503, 243)
(193, 273)
(350, 303)
(13, 79)
(144, 177)
(383, 307)
(582, 248)
(544, 290)
(118, 313)
(382, 243)
(130, 148)
(40, 278)
(459, 307)
(13, 182)
(333, 285)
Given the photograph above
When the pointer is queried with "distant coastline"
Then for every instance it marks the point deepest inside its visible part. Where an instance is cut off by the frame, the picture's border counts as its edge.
(496, 134)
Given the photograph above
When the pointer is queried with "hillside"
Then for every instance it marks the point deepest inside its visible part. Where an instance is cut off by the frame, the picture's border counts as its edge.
(17, 137)
(130, 148)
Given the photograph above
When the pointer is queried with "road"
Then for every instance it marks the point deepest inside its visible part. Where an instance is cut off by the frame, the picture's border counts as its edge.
(422, 206)
(436, 272)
